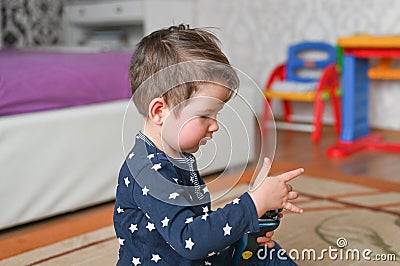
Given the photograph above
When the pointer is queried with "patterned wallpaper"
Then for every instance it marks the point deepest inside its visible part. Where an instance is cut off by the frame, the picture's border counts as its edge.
(255, 34)
(31, 22)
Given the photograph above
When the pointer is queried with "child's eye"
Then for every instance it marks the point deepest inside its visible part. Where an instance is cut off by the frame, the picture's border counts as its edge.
(211, 115)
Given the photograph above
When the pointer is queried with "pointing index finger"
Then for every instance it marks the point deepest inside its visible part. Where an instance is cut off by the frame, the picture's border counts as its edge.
(291, 174)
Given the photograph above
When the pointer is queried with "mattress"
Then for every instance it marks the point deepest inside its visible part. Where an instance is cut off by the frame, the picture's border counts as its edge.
(38, 80)
(61, 160)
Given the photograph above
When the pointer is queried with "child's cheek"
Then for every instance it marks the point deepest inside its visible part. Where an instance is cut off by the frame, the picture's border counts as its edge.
(191, 134)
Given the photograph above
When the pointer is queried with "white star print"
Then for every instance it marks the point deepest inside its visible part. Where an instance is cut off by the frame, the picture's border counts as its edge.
(150, 156)
(165, 222)
(150, 226)
(145, 190)
(207, 263)
(136, 261)
(119, 209)
(121, 241)
(205, 190)
(155, 257)
(131, 155)
(204, 217)
(205, 209)
(133, 228)
(189, 244)
(127, 182)
(236, 201)
(173, 195)
(227, 229)
(176, 180)
(156, 167)
(189, 220)
(211, 254)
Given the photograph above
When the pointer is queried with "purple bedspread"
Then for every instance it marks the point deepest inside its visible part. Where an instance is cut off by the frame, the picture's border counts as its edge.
(33, 81)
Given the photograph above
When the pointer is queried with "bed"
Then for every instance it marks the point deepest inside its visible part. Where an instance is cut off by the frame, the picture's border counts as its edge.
(60, 130)
(66, 123)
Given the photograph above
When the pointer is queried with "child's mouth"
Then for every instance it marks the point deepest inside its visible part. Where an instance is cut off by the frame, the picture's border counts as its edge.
(204, 141)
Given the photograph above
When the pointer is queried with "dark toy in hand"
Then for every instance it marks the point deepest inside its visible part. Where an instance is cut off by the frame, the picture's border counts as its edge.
(249, 246)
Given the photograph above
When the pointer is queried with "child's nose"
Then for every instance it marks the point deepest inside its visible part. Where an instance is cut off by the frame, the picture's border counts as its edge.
(214, 125)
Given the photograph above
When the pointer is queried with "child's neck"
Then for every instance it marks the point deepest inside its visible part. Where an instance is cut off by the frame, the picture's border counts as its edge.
(154, 134)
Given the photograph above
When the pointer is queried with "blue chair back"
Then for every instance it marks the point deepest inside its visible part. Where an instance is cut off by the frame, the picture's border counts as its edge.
(308, 56)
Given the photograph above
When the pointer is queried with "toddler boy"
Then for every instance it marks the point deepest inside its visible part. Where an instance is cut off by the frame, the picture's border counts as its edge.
(180, 80)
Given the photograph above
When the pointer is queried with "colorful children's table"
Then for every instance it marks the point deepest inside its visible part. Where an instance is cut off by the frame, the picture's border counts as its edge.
(355, 131)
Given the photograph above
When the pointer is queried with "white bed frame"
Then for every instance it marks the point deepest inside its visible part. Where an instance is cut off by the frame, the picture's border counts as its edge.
(59, 161)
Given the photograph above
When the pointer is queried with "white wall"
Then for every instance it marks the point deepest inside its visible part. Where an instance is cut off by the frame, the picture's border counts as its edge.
(255, 34)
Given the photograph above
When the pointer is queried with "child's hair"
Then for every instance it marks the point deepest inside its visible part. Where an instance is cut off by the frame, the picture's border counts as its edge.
(171, 47)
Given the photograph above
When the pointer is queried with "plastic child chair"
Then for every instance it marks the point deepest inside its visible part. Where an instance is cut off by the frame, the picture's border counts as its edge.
(308, 75)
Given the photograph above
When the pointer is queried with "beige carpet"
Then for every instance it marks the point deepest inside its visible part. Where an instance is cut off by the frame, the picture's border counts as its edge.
(335, 212)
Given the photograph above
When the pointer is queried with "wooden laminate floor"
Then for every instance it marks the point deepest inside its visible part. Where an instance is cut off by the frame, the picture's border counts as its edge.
(371, 168)
(294, 149)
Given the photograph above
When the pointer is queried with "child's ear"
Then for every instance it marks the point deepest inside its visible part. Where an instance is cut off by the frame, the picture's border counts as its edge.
(158, 110)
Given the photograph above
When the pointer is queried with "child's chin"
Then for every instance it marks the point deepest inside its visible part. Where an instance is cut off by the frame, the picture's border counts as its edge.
(190, 150)
(194, 149)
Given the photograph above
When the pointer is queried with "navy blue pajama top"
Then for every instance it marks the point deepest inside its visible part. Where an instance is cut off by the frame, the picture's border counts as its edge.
(162, 212)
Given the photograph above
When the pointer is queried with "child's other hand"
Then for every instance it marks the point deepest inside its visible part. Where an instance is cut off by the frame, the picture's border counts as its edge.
(266, 240)
(273, 193)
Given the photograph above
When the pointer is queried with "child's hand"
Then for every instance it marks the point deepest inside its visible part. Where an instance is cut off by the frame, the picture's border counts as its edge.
(266, 240)
(273, 193)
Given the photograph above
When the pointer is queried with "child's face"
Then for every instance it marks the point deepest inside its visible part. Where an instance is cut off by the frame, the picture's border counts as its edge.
(196, 122)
